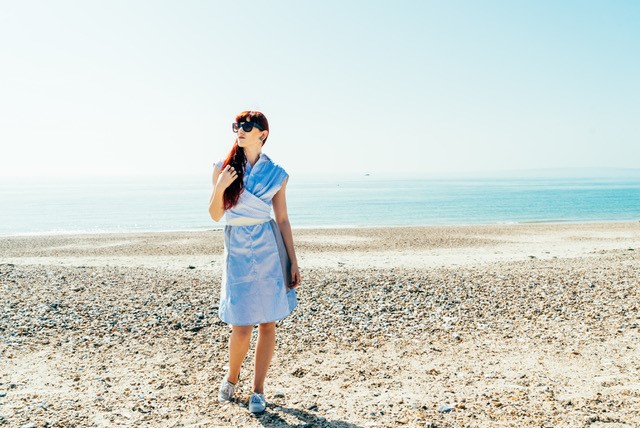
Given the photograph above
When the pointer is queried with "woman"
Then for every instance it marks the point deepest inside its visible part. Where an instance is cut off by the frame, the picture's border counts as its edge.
(260, 272)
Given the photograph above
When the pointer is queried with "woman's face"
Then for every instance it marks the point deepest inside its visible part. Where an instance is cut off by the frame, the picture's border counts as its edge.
(253, 138)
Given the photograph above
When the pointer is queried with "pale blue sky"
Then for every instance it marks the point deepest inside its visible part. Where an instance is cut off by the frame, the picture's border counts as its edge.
(151, 87)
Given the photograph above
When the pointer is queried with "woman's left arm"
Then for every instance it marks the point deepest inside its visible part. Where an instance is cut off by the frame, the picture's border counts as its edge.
(282, 218)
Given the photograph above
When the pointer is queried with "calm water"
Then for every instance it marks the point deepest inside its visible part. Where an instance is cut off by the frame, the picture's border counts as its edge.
(161, 204)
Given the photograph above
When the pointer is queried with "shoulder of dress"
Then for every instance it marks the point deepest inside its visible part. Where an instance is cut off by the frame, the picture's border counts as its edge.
(266, 157)
(273, 164)
(274, 168)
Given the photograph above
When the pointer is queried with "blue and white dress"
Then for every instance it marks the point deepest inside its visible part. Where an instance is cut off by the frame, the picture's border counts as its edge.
(256, 268)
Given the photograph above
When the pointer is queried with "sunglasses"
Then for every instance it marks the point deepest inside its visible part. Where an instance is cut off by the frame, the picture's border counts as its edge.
(246, 126)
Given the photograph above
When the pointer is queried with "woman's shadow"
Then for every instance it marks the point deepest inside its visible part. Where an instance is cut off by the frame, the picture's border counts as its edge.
(271, 419)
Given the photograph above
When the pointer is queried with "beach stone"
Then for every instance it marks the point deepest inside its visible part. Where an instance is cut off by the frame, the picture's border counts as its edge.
(445, 408)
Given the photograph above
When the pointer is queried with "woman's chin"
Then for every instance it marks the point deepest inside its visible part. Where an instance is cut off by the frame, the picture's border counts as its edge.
(244, 144)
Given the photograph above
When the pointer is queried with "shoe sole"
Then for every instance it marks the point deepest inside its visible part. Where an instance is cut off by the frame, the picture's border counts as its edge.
(257, 411)
(223, 399)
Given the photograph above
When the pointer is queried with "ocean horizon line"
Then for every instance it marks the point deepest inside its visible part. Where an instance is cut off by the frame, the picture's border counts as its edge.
(525, 173)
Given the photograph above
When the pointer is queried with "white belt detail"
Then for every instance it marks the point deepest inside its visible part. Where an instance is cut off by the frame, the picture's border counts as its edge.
(246, 221)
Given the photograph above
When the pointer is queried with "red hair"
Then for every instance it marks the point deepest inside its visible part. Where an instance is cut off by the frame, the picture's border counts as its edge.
(238, 160)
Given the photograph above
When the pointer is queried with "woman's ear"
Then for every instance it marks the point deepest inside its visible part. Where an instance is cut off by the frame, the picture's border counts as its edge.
(264, 135)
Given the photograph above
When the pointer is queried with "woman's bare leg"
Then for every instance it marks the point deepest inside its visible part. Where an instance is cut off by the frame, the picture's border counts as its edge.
(264, 352)
(238, 347)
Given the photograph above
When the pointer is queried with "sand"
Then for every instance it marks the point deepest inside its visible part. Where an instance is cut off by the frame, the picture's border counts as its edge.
(510, 325)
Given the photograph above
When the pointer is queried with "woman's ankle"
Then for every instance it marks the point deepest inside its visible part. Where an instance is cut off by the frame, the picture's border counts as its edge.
(233, 380)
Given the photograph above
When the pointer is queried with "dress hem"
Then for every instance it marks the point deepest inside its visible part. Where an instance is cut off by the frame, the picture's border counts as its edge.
(257, 323)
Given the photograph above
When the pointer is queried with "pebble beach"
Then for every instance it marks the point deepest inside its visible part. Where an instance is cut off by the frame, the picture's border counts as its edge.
(525, 325)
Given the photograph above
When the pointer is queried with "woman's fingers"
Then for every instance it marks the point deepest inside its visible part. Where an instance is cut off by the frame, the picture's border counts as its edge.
(295, 279)
(228, 176)
(230, 172)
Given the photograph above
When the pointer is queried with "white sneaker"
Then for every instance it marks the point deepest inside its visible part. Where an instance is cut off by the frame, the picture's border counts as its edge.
(226, 391)
(257, 404)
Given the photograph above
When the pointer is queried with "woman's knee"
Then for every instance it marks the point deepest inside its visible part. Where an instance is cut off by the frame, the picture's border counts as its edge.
(269, 327)
(242, 331)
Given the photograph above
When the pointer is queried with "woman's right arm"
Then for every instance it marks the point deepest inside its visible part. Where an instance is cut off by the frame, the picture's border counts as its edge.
(221, 180)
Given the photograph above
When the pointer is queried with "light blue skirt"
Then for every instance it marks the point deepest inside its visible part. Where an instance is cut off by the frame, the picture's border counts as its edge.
(256, 276)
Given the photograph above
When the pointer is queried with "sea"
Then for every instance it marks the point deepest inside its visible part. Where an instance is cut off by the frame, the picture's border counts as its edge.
(35, 206)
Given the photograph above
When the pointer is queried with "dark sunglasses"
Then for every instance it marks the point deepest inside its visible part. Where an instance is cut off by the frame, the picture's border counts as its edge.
(246, 126)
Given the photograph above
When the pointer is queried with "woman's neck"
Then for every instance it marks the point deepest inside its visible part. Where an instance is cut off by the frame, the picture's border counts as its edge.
(252, 155)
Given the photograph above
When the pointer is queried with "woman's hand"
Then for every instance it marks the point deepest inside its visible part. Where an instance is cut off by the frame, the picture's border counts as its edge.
(295, 276)
(226, 177)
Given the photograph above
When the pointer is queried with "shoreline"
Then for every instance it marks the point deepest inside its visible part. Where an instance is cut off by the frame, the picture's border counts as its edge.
(319, 228)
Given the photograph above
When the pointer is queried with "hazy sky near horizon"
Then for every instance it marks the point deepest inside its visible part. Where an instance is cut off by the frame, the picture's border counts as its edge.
(151, 87)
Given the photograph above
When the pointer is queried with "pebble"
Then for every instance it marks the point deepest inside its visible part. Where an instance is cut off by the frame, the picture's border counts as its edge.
(445, 408)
